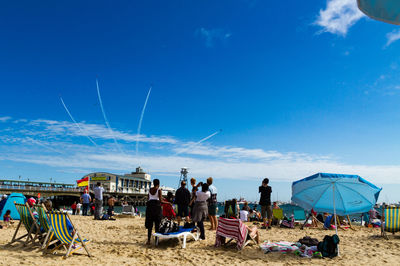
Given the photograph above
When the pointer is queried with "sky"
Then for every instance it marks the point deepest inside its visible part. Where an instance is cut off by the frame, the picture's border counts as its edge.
(290, 89)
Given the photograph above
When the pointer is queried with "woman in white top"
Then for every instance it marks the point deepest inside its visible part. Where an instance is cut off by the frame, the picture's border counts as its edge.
(153, 209)
(200, 209)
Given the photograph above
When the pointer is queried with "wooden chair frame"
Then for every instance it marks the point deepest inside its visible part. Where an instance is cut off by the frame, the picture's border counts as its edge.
(68, 247)
(35, 229)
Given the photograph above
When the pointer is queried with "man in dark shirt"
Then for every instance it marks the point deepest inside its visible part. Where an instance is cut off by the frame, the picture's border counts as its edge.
(182, 199)
(265, 202)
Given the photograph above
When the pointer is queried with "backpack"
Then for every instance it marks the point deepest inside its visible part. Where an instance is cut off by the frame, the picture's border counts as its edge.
(168, 226)
(329, 246)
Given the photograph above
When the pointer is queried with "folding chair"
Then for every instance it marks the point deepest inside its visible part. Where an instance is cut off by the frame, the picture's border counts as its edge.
(67, 233)
(45, 226)
(30, 224)
(299, 216)
(390, 221)
(278, 215)
(234, 229)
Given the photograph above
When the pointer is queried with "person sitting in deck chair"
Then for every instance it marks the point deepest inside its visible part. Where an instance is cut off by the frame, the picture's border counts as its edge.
(167, 209)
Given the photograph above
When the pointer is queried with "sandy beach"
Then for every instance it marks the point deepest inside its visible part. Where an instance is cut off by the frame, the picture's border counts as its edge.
(123, 242)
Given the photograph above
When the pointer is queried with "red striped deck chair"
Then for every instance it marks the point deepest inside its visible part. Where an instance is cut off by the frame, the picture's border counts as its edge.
(234, 229)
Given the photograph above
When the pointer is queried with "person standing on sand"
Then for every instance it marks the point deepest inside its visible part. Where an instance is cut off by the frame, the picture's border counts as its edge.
(98, 203)
(153, 209)
(111, 202)
(85, 199)
(265, 202)
(73, 207)
(78, 208)
(200, 209)
(182, 199)
(212, 204)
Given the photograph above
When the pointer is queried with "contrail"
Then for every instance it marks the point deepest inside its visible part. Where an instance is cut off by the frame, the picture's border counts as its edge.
(44, 145)
(106, 120)
(140, 123)
(200, 141)
(73, 120)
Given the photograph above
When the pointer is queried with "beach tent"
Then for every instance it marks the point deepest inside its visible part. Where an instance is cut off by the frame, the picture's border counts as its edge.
(8, 204)
(387, 11)
(335, 193)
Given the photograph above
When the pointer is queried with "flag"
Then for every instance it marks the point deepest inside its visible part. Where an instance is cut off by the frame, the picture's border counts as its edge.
(84, 182)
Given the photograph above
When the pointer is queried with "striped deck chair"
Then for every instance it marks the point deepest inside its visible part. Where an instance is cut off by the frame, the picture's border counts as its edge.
(299, 216)
(390, 221)
(30, 224)
(277, 214)
(45, 226)
(234, 229)
(67, 233)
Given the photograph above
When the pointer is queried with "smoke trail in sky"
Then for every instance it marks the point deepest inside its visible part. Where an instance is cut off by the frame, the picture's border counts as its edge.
(73, 120)
(44, 145)
(140, 123)
(105, 118)
(200, 141)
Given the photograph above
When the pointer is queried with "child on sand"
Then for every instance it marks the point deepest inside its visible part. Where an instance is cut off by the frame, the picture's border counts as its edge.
(7, 218)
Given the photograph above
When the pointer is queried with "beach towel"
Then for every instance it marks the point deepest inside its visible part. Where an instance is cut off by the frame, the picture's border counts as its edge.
(281, 246)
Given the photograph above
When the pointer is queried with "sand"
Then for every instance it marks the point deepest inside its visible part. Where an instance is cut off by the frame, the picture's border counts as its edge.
(123, 242)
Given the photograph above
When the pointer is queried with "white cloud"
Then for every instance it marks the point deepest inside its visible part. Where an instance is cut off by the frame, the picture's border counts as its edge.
(211, 36)
(392, 37)
(97, 131)
(339, 16)
(277, 169)
(4, 118)
(36, 146)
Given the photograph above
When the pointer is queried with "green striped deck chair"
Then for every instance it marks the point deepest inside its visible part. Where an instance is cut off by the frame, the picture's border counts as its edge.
(30, 224)
(390, 220)
(45, 226)
(66, 233)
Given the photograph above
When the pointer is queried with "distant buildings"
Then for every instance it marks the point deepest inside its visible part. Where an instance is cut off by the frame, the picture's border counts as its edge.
(134, 183)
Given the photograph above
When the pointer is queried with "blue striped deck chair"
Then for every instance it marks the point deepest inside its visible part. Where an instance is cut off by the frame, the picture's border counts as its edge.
(390, 221)
(45, 226)
(67, 233)
(30, 224)
(299, 216)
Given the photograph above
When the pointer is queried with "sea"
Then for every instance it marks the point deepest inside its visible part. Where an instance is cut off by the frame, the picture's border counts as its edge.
(288, 210)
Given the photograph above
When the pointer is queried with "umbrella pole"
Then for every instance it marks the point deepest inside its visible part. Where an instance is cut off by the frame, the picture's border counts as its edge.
(334, 213)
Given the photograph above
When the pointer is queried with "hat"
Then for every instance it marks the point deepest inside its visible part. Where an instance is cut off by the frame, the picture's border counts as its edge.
(31, 201)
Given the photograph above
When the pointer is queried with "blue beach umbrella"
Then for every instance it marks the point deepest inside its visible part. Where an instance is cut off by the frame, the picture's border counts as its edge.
(335, 193)
(384, 10)
(341, 194)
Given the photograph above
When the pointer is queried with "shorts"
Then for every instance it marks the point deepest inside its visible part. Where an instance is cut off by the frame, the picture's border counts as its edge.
(110, 210)
(266, 211)
(183, 210)
(212, 210)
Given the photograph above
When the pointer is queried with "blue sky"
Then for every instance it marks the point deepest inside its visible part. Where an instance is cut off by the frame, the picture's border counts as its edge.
(297, 88)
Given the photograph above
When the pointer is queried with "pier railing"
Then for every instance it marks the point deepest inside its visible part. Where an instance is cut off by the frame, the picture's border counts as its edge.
(38, 188)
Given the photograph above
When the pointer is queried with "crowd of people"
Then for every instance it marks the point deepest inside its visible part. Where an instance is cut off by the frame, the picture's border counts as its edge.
(193, 206)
